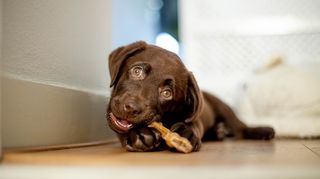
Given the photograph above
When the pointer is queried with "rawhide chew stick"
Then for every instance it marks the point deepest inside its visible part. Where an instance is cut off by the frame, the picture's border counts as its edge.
(172, 139)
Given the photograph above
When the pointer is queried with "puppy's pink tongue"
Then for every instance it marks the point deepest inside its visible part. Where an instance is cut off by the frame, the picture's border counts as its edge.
(122, 124)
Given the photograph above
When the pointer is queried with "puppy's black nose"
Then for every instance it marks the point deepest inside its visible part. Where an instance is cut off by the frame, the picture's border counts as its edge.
(132, 108)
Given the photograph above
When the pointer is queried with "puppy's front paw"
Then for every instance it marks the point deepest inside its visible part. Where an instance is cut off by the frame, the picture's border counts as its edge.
(143, 139)
(187, 132)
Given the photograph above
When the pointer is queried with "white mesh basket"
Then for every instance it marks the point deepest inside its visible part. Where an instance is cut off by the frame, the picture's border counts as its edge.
(225, 41)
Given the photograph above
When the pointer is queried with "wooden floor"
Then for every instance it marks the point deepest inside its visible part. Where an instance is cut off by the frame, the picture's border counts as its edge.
(296, 155)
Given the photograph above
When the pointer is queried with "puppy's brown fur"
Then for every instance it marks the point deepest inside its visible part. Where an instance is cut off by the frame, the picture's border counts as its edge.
(152, 84)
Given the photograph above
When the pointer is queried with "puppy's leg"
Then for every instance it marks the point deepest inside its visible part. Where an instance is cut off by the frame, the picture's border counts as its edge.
(237, 128)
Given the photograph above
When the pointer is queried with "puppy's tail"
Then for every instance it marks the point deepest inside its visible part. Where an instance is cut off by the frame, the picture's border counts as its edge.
(258, 133)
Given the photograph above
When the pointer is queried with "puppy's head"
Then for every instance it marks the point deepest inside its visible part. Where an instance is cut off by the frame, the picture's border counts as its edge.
(149, 83)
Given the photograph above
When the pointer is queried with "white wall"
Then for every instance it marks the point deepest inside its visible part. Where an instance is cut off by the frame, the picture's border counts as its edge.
(55, 71)
(58, 42)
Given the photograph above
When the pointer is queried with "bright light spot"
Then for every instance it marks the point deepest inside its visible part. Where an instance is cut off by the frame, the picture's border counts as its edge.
(168, 42)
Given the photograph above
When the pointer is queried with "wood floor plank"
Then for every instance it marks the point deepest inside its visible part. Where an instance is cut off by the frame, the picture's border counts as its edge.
(278, 159)
(313, 145)
(229, 153)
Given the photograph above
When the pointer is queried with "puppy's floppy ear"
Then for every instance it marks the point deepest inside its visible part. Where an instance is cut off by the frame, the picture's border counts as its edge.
(194, 99)
(118, 57)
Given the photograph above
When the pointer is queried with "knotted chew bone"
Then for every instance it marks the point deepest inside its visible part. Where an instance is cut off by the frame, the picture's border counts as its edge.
(172, 139)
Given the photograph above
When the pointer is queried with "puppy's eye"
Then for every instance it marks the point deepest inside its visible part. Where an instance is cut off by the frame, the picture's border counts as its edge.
(137, 73)
(166, 94)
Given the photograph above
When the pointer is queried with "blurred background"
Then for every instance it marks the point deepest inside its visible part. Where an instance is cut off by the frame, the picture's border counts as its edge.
(222, 42)
(260, 56)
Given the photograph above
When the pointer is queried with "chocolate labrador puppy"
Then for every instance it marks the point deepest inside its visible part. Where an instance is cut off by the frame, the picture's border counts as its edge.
(152, 84)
